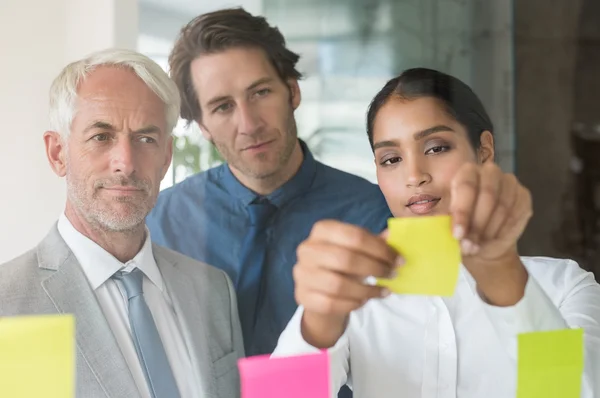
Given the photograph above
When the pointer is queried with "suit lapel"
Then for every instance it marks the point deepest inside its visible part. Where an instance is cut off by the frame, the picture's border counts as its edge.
(70, 292)
(187, 304)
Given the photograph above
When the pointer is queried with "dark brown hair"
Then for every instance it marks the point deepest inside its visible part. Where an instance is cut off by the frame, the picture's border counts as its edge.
(458, 98)
(218, 31)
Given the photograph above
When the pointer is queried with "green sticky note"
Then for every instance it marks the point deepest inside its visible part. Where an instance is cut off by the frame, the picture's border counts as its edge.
(550, 364)
(432, 256)
(37, 356)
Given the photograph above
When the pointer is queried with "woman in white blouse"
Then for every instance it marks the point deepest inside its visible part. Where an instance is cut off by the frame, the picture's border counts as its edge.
(434, 150)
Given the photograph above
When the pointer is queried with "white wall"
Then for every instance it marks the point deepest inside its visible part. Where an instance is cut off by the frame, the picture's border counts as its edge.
(37, 39)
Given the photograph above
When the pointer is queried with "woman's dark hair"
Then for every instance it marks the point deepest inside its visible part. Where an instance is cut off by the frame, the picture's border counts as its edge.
(460, 101)
(218, 31)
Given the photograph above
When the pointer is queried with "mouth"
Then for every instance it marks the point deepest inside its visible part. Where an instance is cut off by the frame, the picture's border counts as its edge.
(122, 190)
(258, 147)
(422, 204)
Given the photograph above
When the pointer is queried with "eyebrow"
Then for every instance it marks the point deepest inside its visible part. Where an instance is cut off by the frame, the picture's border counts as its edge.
(249, 88)
(419, 135)
(259, 82)
(99, 125)
(432, 130)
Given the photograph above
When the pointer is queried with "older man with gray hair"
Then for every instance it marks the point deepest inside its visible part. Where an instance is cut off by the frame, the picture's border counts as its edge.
(150, 322)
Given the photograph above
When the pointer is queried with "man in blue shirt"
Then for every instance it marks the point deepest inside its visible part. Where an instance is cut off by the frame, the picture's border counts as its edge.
(239, 83)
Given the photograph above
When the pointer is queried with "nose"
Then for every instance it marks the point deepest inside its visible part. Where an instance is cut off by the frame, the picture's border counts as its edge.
(122, 157)
(249, 119)
(417, 173)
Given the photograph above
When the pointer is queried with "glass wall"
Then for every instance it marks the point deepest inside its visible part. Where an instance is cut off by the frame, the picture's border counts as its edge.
(349, 49)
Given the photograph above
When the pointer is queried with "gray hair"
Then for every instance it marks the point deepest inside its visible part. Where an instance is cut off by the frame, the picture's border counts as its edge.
(63, 92)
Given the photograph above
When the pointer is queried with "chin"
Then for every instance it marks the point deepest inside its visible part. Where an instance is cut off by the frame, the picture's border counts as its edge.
(263, 170)
(123, 214)
(121, 223)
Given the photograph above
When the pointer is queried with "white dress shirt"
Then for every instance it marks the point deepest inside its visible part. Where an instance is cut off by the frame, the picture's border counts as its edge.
(418, 346)
(99, 266)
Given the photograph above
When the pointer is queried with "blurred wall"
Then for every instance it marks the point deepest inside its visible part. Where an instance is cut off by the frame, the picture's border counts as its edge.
(38, 38)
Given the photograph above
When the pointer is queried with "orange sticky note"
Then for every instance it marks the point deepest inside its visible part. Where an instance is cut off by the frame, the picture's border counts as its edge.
(37, 356)
(432, 256)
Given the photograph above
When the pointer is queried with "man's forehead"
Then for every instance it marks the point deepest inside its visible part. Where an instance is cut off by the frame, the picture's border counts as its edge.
(230, 72)
(120, 86)
(118, 110)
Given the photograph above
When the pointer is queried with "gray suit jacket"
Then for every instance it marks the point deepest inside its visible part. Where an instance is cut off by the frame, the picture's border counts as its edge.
(49, 280)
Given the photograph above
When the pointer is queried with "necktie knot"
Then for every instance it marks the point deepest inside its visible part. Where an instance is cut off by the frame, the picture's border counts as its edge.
(260, 212)
(132, 282)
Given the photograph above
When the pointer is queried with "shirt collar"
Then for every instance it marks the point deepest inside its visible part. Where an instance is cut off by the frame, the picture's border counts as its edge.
(99, 265)
(299, 183)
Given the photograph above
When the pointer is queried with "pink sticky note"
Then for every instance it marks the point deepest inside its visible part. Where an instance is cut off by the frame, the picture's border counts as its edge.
(290, 377)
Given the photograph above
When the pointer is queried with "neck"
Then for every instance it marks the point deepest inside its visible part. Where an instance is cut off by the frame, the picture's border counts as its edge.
(267, 185)
(123, 245)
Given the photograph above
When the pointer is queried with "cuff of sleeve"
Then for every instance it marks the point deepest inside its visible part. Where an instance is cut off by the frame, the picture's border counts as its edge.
(291, 341)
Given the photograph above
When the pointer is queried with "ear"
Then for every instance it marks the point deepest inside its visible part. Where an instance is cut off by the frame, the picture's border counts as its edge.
(56, 152)
(486, 152)
(295, 96)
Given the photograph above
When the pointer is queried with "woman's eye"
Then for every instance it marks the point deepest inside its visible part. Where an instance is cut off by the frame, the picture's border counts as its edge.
(438, 149)
(392, 160)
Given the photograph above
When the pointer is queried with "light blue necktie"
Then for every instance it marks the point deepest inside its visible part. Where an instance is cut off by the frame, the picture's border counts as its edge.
(146, 339)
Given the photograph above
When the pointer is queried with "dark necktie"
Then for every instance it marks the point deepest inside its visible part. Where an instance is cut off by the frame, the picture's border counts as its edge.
(252, 262)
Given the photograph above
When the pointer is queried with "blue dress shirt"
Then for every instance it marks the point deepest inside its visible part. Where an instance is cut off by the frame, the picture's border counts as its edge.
(205, 217)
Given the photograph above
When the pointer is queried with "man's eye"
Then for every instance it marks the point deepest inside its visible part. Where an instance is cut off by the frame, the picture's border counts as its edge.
(223, 108)
(263, 92)
(147, 140)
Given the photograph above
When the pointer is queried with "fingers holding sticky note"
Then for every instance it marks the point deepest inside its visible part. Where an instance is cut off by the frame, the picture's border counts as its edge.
(431, 253)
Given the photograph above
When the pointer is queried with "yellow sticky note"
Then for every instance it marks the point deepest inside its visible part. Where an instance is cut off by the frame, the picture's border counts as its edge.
(37, 356)
(550, 364)
(432, 256)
